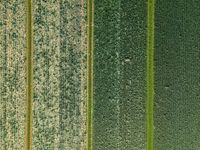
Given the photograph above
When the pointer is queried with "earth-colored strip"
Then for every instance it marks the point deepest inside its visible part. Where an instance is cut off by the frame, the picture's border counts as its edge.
(150, 77)
(29, 75)
(90, 57)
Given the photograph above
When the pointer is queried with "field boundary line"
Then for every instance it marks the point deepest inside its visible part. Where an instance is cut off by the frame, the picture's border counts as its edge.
(150, 76)
(29, 75)
(90, 59)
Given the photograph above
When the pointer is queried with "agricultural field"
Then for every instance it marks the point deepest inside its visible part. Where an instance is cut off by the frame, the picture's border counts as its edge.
(12, 75)
(59, 103)
(99, 75)
(59, 75)
(177, 75)
(119, 75)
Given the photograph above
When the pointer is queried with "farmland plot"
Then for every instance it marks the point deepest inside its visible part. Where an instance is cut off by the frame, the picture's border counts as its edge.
(99, 75)
(177, 75)
(59, 105)
(12, 75)
(119, 75)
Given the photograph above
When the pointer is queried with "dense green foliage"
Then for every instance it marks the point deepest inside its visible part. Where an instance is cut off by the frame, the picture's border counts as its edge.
(177, 75)
(119, 75)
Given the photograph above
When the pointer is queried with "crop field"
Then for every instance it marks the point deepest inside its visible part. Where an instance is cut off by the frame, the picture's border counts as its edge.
(177, 75)
(59, 75)
(12, 75)
(59, 103)
(119, 75)
(99, 75)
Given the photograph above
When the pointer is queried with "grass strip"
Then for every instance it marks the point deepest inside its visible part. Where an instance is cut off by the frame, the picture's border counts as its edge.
(90, 59)
(29, 75)
(150, 77)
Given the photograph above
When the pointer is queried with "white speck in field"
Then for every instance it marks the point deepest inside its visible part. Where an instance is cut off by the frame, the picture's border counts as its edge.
(127, 60)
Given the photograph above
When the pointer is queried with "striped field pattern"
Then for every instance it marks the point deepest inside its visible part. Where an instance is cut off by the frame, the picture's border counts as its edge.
(59, 104)
(99, 75)
(12, 75)
(59, 75)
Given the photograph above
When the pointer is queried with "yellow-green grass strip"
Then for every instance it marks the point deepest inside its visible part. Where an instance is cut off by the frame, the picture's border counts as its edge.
(29, 75)
(90, 59)
(150, 77)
